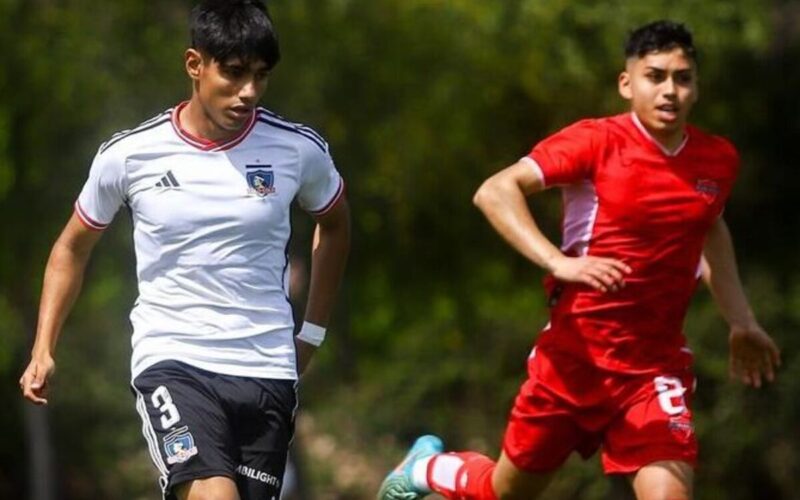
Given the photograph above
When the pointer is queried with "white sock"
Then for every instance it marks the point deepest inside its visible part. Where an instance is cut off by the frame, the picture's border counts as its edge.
(444, 471)
(419, 473)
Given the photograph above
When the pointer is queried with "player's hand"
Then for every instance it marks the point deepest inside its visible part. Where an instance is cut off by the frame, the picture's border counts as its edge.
(601, 273)
(753, 354)
(33, 382)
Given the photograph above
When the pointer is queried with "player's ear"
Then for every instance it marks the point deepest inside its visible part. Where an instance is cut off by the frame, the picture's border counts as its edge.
(624, 85)
(194, 62)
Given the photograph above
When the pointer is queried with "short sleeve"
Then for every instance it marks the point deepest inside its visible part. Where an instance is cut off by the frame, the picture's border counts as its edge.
(321, 186)
(732, 163)
(104, 191)
(568, 156)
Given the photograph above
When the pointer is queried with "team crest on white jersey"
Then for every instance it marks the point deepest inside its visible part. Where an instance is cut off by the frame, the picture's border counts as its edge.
(259, 180)
(179, 446)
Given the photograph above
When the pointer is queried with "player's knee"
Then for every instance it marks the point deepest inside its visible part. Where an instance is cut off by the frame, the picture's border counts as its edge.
(511, 491)
(667, 480)
(208, 489)
(511, 483)
(682, 495)
(207, 494)
(664, 492)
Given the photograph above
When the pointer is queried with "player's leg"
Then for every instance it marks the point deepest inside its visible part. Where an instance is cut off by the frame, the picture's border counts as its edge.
(425, 469)
(664, 480)
(262, 416)
(462, 475)
(543, 427)
(210, 488)
(652, 441)
(540, 435)
(511, 483)
(187, 431)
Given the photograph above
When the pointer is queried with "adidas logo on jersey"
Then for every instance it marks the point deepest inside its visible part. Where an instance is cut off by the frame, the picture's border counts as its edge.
(168, 181)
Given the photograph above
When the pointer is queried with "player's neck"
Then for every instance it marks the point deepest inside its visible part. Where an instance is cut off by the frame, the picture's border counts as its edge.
(670, 141)
(194, 120)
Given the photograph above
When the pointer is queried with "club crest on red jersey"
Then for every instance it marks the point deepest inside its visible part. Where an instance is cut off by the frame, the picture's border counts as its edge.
(260, 182)
(681, 426)
(708, 189)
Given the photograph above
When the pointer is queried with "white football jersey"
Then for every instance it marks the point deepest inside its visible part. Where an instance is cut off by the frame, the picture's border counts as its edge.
(211, 228)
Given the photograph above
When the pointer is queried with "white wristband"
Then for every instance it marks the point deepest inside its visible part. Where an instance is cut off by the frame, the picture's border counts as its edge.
(311, 334)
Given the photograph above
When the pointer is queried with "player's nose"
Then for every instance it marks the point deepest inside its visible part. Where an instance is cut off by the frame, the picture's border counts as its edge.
(248, 93)
(669, 87)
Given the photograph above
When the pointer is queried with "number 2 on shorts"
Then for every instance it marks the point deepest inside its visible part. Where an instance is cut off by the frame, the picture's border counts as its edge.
(163, 402)
(670, 390)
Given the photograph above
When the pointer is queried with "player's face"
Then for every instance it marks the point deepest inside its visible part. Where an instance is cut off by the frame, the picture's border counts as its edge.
(662, 88)
(228, 91)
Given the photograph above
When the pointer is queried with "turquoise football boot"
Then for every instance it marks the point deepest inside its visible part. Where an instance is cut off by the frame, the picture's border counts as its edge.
(398, 484)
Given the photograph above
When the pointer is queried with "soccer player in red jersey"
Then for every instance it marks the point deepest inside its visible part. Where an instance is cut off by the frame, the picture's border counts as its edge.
(643, 198)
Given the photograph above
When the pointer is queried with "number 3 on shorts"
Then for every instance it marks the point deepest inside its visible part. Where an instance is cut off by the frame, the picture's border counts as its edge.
(669, 390)
(163, 402)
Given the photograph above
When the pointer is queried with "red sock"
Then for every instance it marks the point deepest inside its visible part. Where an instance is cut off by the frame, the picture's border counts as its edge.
(462, 476)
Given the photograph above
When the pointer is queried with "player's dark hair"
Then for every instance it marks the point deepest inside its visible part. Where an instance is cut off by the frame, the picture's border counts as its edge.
(660, 36)
(225, 29)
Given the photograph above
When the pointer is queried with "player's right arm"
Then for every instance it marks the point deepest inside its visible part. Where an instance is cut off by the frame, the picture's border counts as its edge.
(63, 277)
(502, 199)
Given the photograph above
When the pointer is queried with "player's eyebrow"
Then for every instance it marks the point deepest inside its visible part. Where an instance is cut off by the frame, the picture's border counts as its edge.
(238, 64)
(235, 63)
(659, 69)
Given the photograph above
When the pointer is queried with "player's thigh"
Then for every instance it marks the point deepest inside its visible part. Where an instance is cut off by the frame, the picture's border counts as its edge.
(511, 483)
(664, 480)
(654, 424)
(546, 423)
(210, 488)
(186, 427)
(263, 429)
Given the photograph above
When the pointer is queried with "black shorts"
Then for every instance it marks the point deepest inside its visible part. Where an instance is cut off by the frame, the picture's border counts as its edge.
(200, 424)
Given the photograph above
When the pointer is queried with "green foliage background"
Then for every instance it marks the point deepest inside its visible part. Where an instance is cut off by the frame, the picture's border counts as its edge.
(420, 100)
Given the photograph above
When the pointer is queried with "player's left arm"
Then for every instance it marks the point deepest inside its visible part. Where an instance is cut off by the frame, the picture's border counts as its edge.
(331, 245)
(753, 353)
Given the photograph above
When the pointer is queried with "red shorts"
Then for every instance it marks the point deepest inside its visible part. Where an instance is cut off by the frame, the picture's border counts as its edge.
(570, 405)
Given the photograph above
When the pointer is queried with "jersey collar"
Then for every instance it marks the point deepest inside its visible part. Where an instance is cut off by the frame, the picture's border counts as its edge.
(652, 139)
(205, 144)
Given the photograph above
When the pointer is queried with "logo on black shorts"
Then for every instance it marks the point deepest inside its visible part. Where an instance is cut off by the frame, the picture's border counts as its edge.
(260, 182)
(179, 446)
(264, 477)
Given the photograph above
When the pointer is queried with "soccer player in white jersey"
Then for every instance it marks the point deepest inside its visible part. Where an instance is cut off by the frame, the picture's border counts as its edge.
(209, 184)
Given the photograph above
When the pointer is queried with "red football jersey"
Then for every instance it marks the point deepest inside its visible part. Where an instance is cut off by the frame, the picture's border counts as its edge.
(627, 198)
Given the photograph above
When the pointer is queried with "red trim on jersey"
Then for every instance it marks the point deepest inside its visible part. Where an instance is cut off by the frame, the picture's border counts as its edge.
(86, 220)
(328, 206)
(207, 144)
